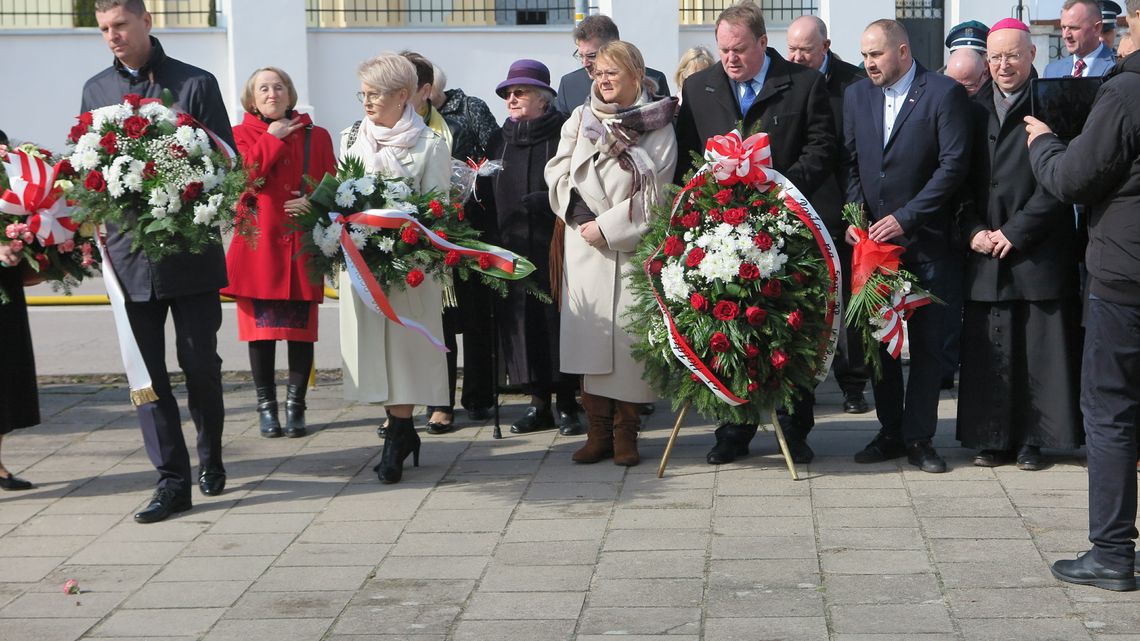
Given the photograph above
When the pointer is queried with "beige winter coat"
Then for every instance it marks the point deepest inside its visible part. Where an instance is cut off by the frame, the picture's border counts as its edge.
(384, 362)
(595, 292)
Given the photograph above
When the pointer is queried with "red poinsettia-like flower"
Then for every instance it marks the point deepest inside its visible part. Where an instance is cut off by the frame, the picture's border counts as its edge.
(779, 359)
(452, 258)
(484, 261)
(698, 302)
(674, 246)
(414, 277)
(719, 342)
(436, 208)
(410, 235)
(725, 310)
(755, 315)
(696, 255)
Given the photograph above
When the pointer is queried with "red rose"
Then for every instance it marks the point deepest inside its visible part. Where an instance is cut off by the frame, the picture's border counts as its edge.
(86, 119)
(484, 261)
(76, 132)
(725, 310)
(779, 359)
(109, 143)
(655, 266)
(715, 215)
(691, 219)
(177, 151)
(436, 208)
(758, 202)
(735, 216)
(751, 351)
(748, 271)
(696, 255)
(459, 212)
(452, 258)
(723, 196)
(799, 277)
(414, 278)
(795, 319)
(149, 172)
(135, 126)
(186, 120)
(752, 387)
(699, 303)
(191, 192)
(133, 99)
(410, 235)
(774, 210)
(772, 289)
(755, 315)
(65, 168)
(719, 342)
(94, 181)
(674, 246)
(762, 241)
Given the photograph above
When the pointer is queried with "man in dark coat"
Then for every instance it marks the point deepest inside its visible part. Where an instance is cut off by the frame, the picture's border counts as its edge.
(788, 101)
(185, 285)
(1101, 167)
(589, 36)
(808, 45)
(907, 140)
(1021, 330)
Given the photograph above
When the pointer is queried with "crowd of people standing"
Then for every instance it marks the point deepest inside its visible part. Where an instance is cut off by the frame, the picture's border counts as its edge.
(949, 166)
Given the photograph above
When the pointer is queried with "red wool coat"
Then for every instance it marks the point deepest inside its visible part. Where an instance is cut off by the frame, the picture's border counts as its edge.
(270, 269)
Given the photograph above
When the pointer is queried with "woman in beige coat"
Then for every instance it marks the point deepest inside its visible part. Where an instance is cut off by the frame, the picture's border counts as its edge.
(615, 155)
(384, 362)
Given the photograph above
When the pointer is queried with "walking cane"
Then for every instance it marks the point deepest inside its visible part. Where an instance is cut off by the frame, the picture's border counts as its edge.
(497, 433)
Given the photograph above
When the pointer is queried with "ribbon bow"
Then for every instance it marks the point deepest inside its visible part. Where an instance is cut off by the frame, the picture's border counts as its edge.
(893, 331)
(33, 194)
(732, 160)
(869, 256)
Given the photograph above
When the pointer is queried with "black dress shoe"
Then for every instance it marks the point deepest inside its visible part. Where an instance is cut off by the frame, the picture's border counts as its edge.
(533, 421)
(212, 480)
(923, 456)
(855, 403)
(729, 445)
(1029, 458)
(799, 449)
(881, 448)
(12, 484)
(479, 414)
(1085, 570)
(569, 424)
(947, 382)
(992, 458)
(164, 503)
(439, 427)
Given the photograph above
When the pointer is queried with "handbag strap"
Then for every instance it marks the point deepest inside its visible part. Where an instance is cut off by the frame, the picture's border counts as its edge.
(305, 161)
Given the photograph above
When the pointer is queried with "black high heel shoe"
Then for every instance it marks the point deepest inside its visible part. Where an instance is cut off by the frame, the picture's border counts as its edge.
(401, 439)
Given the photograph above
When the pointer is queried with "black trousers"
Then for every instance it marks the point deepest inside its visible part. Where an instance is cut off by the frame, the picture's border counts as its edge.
(197, 319)
(472, 319)
(910, 411)
(1110, 401)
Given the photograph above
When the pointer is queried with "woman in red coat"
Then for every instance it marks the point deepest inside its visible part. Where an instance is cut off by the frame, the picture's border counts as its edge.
(275, 298)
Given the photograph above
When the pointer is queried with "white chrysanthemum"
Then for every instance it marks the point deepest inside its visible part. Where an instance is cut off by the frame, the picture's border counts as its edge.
(673, 282)
(397, 190)
(89, 140)
(133, 182)
(345, 196)
(158, 212)
(85, 160)
(204, 213)
(385, 244)
(159, 198)
(112, 113)
(173, 199)
(157, 112)
(366, 185)
(771, 262)
(330, 244)
(202, 140)
(719, 266)
(185, 136)
(359, 237)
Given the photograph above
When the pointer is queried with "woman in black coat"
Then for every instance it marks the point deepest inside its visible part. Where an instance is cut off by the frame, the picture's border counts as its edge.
(525, 224)
(19, 402)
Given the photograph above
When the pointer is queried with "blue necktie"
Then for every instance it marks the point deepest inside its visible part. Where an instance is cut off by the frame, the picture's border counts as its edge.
(747, 99)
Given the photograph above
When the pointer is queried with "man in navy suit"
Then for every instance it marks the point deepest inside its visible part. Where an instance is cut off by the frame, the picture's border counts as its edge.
(1080, 32)
(907, 139)
(589, 36)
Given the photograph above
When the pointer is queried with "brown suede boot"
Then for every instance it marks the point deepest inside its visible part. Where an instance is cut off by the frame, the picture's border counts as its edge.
(600, 436)
(627, 422)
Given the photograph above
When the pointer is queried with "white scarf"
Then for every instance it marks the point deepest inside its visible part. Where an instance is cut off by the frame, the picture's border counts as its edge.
(383, 149)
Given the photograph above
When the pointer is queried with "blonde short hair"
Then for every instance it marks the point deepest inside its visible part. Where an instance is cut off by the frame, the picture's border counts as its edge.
(247, 91)
(691, 62)
(388, 73)
(628, 58)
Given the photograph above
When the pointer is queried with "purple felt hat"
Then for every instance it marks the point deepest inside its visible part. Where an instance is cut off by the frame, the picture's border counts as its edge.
(525, 72)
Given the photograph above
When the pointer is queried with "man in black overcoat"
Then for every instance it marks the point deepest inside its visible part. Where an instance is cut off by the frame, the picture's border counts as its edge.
(787, 101)
(185, 285)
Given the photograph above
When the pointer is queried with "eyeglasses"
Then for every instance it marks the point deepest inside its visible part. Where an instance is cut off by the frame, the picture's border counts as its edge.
(369, 97)
(998, 59)
(519, 93)
(579, 56)
(608, 74)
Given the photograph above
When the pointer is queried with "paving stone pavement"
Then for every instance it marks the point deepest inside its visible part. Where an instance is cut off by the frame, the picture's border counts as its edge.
(500, 540)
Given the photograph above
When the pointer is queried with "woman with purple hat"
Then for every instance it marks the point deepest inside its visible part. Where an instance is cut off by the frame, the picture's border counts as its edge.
(616, 152)
(528, 328)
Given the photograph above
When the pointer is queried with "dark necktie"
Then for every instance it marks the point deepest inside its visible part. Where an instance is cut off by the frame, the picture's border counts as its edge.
(748, 98)
(1079, 68)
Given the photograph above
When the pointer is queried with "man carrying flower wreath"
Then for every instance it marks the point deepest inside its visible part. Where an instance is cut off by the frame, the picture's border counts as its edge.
(184, 284)
(790, 103)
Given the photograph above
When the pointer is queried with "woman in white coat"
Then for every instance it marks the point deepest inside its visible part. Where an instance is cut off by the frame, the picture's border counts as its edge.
(616, 153)
(384, 362)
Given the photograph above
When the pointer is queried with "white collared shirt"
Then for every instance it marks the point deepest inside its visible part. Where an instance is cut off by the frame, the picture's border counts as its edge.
(1088, 61)
(894, 97)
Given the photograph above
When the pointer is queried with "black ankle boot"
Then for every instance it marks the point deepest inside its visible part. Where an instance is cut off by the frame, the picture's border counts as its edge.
(295, 411)
(267, 411)
(399, 441)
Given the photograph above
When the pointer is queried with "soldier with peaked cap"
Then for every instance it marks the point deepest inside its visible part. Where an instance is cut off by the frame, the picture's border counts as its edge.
(1109, 11)
(970, 34)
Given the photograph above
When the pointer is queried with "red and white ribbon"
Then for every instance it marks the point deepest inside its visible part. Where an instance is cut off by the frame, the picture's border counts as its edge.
(732, 160)
(33, 194)
(364, 282)
(894, 333)
(138, 376)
